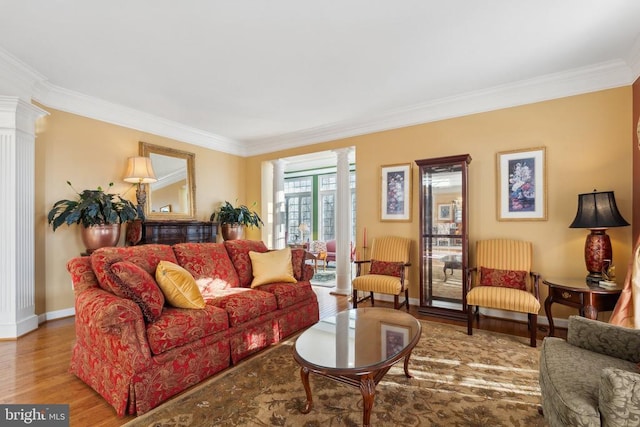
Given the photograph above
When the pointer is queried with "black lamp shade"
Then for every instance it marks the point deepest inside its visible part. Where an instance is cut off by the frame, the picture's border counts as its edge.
(598, 210)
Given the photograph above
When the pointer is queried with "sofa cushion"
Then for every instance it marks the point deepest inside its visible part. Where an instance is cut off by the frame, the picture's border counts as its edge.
(238, 251)
(288, 294)
(178, 285)
(243, 305)
(129, 281)
(209, 264)
(271, 267)
(179, 326)
(146, 257)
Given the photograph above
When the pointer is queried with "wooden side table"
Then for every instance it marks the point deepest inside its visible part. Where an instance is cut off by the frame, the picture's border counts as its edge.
(588, 298)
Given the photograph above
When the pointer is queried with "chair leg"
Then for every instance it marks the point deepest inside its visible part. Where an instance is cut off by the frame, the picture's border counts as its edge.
(354, 298)
(373, 303)
(395, 302)
(469, 320)
(533, 325)
(406, 298)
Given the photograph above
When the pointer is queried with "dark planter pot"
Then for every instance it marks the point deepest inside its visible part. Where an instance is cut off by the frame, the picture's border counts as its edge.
(232, 231)
(100, 236)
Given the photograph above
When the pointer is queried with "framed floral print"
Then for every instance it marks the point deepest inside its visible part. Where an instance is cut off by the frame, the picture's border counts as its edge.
(395, 192)
(522, 185)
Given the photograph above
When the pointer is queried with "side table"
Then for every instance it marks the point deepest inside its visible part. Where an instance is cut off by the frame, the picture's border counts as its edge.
(588, 298)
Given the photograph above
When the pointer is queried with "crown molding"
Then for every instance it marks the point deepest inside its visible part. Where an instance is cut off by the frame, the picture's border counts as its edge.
(602, 76)
(18, 79)
(95, 108)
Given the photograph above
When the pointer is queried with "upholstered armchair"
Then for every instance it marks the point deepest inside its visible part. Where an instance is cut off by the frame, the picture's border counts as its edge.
(387, 271)
(331, 251)
(592, 378)
(318, 249)
(502, 279)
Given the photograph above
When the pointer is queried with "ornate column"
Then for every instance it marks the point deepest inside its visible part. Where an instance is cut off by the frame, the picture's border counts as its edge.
(279, 225)
(17, 192)
(343, 224)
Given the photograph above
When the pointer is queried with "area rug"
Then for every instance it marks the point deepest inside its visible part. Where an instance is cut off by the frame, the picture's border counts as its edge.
(487, 379)
(326, 279)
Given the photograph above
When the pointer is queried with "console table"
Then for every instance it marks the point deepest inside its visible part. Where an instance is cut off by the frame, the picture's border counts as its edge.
(171, 232)
(588, 298)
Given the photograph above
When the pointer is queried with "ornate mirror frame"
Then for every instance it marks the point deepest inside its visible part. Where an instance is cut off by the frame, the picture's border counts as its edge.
(189, 212)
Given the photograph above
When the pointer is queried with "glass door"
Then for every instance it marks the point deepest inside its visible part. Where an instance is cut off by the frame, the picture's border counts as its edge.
(444, 235)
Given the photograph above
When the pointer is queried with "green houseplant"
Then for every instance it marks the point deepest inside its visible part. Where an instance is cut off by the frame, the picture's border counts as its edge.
(100, 213)
(234, 219)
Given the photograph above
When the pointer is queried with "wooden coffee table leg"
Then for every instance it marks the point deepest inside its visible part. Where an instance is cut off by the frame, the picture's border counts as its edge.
(368, 390)
(406, 366)
(304, 374)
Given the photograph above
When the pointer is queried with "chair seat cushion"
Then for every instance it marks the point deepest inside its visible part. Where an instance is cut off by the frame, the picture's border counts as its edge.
(378, 283)
(503, 299)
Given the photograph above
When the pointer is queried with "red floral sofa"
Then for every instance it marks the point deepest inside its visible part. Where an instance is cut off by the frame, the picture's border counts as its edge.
(137, 358)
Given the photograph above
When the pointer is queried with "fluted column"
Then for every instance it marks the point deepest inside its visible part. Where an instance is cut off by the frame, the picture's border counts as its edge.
(343, 224)
(279, 225)
(17, 189)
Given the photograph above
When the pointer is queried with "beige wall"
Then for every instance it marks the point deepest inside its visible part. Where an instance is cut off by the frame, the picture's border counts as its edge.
(90, 153)
(589, 146)
(588, 140)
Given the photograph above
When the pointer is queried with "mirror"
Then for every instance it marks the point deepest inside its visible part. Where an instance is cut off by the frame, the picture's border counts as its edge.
(173, 196)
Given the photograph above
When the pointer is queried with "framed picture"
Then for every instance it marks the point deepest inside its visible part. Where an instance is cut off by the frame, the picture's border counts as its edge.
(394, 339)
(445, 212)
(395, 191)
(165, 208)
(522, 185)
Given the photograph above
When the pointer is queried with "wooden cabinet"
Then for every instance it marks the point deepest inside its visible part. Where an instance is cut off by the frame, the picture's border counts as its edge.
(171, 232)
(444, 235)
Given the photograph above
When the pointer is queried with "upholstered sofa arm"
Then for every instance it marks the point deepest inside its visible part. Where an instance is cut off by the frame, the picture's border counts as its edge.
(619, 398)
(112, 326)
(604, 338)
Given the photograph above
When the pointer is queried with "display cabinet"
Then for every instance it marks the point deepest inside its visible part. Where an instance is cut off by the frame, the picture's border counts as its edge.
(444, 235)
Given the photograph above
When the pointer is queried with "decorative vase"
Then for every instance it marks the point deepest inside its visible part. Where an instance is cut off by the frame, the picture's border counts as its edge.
(232, 231)
(100, 236)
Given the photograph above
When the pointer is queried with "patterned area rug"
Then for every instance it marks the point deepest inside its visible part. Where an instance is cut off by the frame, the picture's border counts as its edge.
(487, 379)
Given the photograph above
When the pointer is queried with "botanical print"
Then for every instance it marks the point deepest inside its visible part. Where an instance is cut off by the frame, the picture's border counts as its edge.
(395, 192)
(522, 189)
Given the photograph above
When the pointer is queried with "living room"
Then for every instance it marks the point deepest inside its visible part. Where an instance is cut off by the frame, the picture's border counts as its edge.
(585, 118)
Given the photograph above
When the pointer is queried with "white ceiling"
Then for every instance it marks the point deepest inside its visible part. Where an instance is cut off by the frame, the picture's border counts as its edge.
(250, 76)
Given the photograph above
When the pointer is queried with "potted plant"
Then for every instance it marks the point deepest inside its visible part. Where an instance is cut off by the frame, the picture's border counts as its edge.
(234, 219)
(100, 214)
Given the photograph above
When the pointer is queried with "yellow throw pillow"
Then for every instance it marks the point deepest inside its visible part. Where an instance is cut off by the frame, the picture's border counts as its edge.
(178, 286)
(271, 267)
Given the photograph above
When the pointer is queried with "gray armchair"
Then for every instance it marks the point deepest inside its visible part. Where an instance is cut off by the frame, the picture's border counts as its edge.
(592, 378)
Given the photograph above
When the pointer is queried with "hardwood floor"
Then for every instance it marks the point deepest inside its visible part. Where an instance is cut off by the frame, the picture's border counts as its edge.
(35, 368)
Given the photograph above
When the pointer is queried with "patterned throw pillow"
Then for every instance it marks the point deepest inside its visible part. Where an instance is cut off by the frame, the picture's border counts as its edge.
(503, 278)
(178, 285)
(271, 267)
(130, 281)
(386, 268)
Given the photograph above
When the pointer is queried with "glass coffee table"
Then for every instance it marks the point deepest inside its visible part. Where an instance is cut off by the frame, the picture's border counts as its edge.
(357, 347)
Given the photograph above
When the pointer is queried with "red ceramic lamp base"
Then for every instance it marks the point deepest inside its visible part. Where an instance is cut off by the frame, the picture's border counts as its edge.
(597, 253)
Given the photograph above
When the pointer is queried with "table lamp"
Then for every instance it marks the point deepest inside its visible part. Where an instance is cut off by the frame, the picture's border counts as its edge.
(597, 211)
(140, 171)
(303, 227)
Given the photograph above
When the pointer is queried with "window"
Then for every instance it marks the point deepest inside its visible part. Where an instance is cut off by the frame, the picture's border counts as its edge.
(299, 207)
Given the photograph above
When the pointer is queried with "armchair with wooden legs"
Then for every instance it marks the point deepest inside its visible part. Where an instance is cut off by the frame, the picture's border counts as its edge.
(387, 272)
(502, 279)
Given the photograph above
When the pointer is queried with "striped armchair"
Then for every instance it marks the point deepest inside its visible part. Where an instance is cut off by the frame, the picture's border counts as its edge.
(502, 279)
(387, 271)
